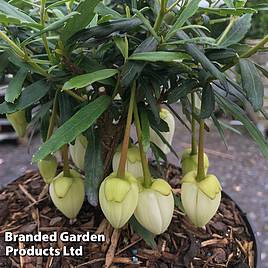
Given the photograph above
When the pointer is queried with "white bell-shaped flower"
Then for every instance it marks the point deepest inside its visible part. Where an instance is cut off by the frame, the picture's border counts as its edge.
(155, 206)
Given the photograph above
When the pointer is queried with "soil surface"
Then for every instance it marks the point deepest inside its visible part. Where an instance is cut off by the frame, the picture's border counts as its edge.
(241, 169)
(224, 242)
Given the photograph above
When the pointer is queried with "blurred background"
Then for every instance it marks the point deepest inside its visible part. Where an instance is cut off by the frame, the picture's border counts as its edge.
(240, 167)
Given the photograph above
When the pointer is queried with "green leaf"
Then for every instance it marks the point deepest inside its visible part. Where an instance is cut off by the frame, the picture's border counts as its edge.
(122, 45)
(28, 97)
(147, 236)
(52, 27)
(81, 20)
(208, 102)
(229, 3)
(229, 11)
(219, 127)
(188, 11)
(240, 115)
(156, 56)
(104, 10)
(145, 126)
(84, 80)
(11, 14)
(93, 166)
(181, 91)
(15, 86)
(77, 124)
(132, 70)
(238, 31)
(222, 56)
(106, 29)
(165, 141)
(199, 56)
(4, 62)
(252, 83)
(263, 70)
(67, 106)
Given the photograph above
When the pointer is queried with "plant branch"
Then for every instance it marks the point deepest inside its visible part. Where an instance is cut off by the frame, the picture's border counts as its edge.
(253, 50)
(144, 161)
(44, 36)
(247, 54)
(18, 50)
(124, 149)
(160, 16)
(75, 96)
(193, 124)
(227, 30)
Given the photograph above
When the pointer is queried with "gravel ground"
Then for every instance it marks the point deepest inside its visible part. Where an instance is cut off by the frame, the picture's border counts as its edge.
(241, 169)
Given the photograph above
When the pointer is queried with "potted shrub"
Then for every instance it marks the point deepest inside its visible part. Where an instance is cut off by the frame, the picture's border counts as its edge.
(86, 71)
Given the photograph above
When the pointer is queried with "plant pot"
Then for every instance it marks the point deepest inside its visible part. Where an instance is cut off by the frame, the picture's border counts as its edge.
(25, 199)
(252, 231)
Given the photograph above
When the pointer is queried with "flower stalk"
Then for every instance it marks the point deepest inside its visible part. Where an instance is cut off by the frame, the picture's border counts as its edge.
(144, 161)
(201, 169)
(193, 126)
(124, 149)
(65, 159)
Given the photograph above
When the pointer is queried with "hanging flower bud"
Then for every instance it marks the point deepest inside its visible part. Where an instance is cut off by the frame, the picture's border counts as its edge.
(200, 200)
(78, 151)
(190, 162)
(18, 122)
(48, 168)
(68, 193)
(169, 119)
(133, 164)
(118, 198)
(155, 206)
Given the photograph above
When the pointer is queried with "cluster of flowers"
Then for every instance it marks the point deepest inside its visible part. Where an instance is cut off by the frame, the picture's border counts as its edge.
(121, 198)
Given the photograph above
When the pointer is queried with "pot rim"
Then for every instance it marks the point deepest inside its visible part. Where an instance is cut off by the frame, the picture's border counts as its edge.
(251, 229)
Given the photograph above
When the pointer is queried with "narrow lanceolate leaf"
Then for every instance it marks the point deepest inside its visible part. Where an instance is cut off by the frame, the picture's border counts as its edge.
(81, 20)
(84, 80)
(131, 69)
(28, 97)
(122, 45)
(188, 11)
(229, 11)
(93, 166)
(53, 26)
(239, 114)
(11, 14)
(200, 57)
(160, 56)
(147, 236)
(208, 102)
(145, 126)
(252, 83)
(238, 31)
(15, 86)
(77, 124)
